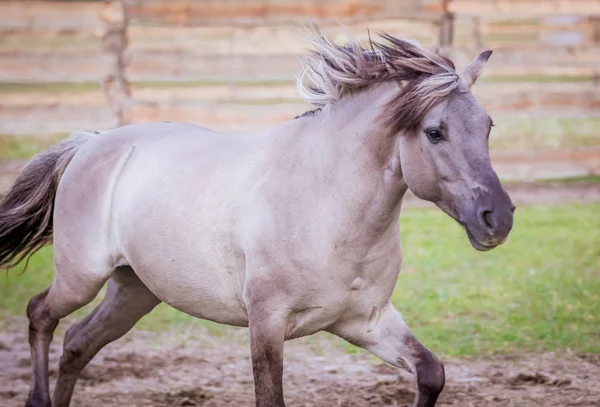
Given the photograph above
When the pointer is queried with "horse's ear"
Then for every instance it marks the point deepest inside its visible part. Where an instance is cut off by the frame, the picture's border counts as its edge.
(474, 70)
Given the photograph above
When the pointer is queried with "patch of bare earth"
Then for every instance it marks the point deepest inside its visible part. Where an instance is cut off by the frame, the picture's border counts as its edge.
(192, 368)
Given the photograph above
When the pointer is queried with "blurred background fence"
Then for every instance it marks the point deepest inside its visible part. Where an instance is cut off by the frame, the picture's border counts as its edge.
(230, 64)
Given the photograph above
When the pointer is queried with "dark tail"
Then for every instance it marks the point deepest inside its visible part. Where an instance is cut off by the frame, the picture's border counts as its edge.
(26, 212)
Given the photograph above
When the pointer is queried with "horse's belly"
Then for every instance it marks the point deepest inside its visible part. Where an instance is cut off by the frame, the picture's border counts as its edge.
(208, 294)
(224, 308)
(191, 275)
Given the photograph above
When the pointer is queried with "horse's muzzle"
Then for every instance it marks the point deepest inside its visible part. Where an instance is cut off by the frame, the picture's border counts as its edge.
(489, 222)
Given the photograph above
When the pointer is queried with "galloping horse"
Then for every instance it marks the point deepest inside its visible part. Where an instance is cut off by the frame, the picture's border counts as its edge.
(289, 232)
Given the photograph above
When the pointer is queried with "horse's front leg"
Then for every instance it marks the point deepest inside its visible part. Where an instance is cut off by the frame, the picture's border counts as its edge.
(267, 334)
(385, 334)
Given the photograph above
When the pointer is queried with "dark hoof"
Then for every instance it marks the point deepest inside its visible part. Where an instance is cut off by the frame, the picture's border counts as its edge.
(34, 401)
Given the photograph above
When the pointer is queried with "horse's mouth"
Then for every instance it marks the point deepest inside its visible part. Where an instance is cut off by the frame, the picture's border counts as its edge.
(482, 247)
(477, 244)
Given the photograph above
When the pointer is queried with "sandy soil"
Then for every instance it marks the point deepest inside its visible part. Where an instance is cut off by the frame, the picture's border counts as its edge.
(193, 368)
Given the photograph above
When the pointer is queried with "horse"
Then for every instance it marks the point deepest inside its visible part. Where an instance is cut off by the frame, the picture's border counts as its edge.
(290, 231)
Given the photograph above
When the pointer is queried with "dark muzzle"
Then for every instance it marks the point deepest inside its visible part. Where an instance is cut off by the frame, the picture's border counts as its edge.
(489, 219)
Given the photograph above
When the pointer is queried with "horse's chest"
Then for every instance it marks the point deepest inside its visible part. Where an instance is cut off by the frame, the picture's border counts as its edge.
(342, 298)
(365, 292)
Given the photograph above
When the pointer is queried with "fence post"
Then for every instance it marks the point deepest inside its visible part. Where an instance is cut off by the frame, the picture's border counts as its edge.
(446, 29)
(477, 33)
(114, 42)
(595, 23)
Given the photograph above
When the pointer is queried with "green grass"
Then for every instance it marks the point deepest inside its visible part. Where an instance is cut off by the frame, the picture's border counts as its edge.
(538, 292)
(52, 87)
(26, 145)
(583, 179)
(593, 179)
(546, 132)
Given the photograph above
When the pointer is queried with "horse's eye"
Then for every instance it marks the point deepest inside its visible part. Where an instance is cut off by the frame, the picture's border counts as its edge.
(434, 136)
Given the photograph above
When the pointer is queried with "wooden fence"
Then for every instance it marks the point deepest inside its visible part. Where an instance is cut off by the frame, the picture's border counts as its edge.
(218, 59)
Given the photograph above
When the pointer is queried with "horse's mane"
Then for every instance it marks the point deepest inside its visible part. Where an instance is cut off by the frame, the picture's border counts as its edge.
(333, 72)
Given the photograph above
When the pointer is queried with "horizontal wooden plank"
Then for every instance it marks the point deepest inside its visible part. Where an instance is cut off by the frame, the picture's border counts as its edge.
(189, 12)
(186, 65)
(525, 7)
(70, 114)
(504, 96)
(40, 15)
(81, 15)
(55, 119)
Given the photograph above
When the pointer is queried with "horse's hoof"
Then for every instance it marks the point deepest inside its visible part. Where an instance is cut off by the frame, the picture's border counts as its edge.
(38, 402)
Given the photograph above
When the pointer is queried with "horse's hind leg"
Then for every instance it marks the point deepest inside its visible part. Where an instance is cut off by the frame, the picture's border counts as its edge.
(126, 301)
(387, 336)
(66, 294)
(41, 328)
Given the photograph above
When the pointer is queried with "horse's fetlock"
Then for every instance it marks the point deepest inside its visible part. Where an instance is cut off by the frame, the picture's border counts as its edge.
(431, 376)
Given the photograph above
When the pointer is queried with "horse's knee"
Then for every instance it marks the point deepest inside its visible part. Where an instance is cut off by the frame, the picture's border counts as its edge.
(430, 372)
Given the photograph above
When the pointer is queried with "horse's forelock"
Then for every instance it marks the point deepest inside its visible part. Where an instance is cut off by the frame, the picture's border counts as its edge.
(405, 112)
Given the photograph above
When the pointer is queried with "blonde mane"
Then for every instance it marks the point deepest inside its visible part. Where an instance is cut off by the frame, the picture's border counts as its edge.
(332, 72)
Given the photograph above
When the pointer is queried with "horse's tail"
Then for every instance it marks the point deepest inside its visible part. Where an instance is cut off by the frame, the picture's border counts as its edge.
(26, 212)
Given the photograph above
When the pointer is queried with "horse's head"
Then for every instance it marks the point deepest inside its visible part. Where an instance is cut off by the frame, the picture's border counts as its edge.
(446, 160)
(439, 130)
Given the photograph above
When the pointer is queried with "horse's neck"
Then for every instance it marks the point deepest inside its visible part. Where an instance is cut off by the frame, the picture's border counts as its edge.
(363, 160)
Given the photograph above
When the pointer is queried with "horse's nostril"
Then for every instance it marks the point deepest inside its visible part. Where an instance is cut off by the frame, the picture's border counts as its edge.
(512, 208)
(486, 217)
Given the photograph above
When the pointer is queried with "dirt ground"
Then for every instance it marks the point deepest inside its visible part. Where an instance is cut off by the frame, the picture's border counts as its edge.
(193, 368)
